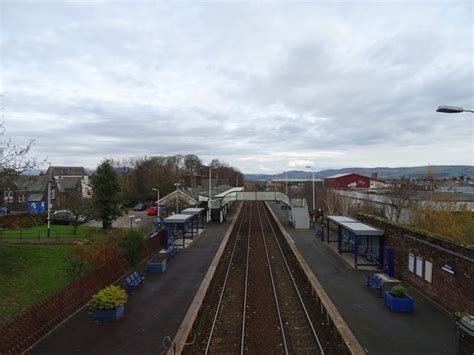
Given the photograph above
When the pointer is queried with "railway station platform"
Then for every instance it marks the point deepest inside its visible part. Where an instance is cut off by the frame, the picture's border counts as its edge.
(429, 330)
(153, 312)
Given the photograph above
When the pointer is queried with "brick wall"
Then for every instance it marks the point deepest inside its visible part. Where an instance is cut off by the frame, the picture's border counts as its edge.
(454, 292)
(23, 331)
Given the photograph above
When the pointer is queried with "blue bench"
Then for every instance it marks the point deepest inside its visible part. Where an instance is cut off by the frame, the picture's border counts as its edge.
(133, 280)
(375, 282)
(171, 251)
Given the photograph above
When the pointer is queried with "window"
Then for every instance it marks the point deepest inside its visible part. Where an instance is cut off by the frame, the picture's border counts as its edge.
(53, 194)
(8, 195)
(21, 197)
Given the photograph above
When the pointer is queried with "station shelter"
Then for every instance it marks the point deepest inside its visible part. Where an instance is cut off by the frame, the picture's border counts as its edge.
(364, 241)
(179, 226)
(199, 216)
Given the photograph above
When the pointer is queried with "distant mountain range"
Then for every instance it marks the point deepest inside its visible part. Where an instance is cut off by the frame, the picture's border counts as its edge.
(441, 171)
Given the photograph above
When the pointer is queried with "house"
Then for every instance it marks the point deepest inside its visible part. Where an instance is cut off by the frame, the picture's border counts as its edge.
(354, 181)
(70, 175)
(22, 193)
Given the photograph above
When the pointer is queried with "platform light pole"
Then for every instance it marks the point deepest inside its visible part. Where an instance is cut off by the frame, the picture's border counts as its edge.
(157, 200)
(314, 204)
(209, 203)
(452, 109)
(286, 183)
(49, 201)
(177, 195)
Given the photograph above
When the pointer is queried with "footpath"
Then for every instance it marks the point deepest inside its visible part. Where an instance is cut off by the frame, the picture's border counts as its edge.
(153, 312)
(429, 330)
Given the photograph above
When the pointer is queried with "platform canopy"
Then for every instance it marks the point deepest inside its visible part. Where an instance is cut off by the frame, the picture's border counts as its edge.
(178, 218)
(342, 219)
(359, 228)
(192, 211)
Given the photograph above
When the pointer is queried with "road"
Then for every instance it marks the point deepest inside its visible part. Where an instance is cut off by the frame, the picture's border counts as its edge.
(141, 220)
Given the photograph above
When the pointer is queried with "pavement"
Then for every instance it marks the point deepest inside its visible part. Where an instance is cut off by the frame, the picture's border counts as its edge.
(140, 220)
(429, 330)
(153, 313)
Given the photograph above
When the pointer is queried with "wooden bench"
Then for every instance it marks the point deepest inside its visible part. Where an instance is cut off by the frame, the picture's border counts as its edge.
(133, 280)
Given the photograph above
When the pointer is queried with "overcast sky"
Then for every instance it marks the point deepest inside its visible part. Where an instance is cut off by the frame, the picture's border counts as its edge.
(263, 86)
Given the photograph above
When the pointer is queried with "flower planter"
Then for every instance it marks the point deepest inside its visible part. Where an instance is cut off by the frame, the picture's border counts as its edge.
(398, 304)
(156, 267)
(102, 315)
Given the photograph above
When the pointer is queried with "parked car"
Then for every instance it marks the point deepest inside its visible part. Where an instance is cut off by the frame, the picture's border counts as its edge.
(152, 211)
(64, 217)
(4, 210)
(140, 207)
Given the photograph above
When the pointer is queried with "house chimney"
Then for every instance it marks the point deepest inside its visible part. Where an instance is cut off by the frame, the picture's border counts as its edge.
(374, 175)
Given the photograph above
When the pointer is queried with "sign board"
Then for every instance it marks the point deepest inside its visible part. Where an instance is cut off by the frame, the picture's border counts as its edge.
(428, 271)
(419, 266)
(448, 267)
(411, 262)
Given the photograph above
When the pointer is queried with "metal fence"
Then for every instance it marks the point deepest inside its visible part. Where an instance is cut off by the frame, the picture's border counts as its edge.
(20, 235)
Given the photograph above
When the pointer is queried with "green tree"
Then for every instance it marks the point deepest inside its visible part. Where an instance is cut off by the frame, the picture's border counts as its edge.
(106, 196)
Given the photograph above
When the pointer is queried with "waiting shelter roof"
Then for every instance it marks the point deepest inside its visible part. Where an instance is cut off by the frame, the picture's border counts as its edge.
(342, 219)
(192, 211)
(178, 218)
(359, 228)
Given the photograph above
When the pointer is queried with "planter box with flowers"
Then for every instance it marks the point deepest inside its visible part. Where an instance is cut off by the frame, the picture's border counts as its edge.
(398, 300)
(109, 303)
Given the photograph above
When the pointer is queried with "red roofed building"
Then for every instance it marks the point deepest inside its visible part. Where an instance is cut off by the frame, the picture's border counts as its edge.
(353, 181)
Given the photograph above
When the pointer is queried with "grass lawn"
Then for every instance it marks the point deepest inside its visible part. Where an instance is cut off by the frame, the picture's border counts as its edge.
(57, 231)
(28, 274)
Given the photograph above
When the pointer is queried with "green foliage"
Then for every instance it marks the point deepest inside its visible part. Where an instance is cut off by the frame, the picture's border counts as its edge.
(131, 245)
(106, 197)
(399, 291)
(109, 298)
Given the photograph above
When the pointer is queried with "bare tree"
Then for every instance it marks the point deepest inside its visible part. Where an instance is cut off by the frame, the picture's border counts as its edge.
(400, 196)
(14, 158)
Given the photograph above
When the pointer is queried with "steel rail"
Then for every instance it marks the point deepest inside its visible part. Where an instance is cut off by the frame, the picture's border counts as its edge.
(246, 283)
(273, 284)
(208, 345)
(294, 284)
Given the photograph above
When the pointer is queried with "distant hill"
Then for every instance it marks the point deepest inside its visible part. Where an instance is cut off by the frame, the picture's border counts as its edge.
(441, 171)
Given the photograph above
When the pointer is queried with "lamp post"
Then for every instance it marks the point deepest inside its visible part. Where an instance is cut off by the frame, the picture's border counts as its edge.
(177, 193)
(209, 202)
(49, 201)
(310, 167)
(452, 109)
(286, 183)
(157, 200)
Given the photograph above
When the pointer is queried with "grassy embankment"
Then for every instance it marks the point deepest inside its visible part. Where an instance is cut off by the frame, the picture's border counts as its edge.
(28, 274)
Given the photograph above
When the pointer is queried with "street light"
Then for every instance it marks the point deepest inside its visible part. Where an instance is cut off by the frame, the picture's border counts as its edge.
(157, 200)
(286, 183)
(49, 201)
(452, 109)
(209, 203)
(177, 193)
(310, 167)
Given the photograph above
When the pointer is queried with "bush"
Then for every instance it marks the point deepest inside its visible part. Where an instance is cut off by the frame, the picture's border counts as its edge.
(131, 245)
(91, 253)
(109, 298)
(399, 291)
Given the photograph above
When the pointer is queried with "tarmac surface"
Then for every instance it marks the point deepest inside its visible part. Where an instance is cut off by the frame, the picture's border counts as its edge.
(429, 330)
(153, 312)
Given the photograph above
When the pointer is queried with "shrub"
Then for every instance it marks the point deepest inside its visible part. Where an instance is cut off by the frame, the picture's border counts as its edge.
(109, 298)
(131, 245)
(399, 291)
(91, 253)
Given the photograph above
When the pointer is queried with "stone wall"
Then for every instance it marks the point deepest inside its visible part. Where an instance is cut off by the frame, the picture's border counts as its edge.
(453, 286)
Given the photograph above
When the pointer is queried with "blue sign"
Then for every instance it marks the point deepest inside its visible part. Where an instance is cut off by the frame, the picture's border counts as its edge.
(448, 268)
(36, 207)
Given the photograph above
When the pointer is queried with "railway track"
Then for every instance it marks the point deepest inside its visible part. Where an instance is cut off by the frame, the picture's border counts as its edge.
(257, 302)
